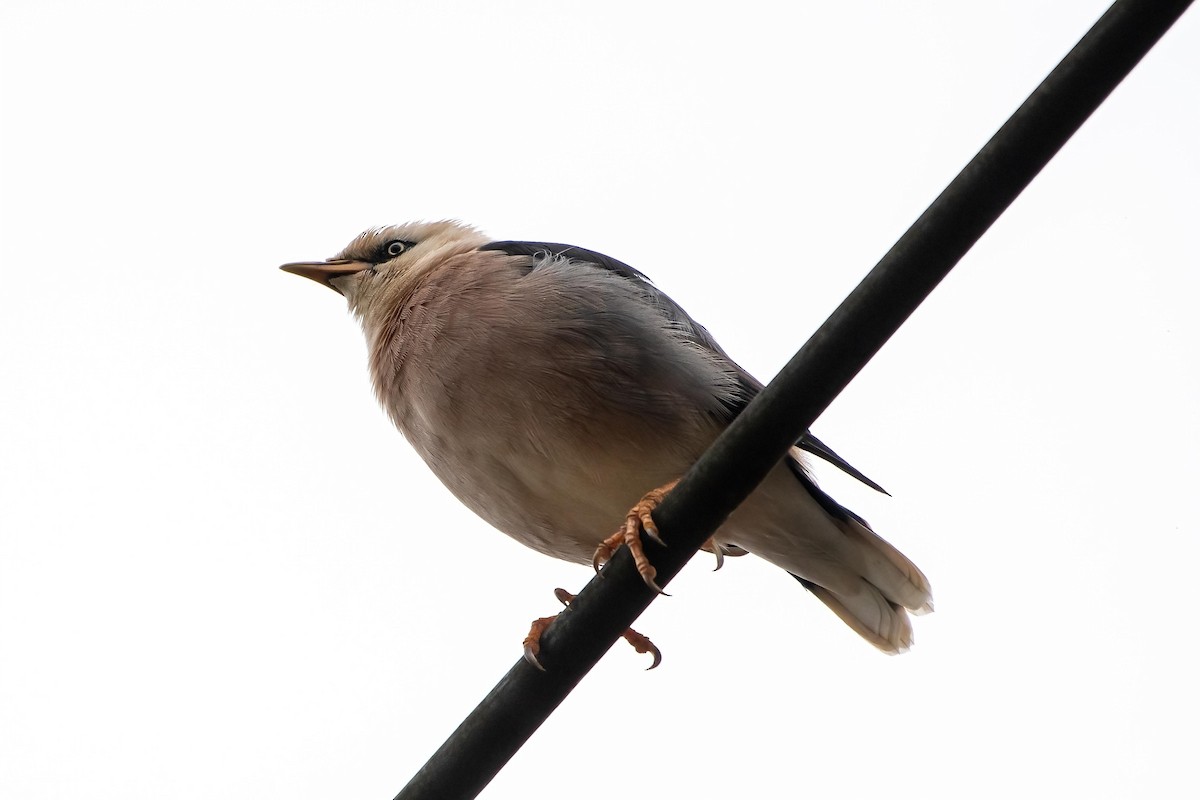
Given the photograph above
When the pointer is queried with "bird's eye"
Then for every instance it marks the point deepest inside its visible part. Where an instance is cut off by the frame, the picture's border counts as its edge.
(397, 247)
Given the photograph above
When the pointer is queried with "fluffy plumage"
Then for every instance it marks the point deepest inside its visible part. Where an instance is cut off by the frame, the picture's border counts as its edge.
(526, 374)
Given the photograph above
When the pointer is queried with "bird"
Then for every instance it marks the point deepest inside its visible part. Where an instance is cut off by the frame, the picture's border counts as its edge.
(555, 391)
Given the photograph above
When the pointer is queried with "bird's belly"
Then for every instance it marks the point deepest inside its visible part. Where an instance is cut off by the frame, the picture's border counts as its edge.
(561, 500)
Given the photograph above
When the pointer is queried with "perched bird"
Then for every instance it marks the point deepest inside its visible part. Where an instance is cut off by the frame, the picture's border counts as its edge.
(549, 387)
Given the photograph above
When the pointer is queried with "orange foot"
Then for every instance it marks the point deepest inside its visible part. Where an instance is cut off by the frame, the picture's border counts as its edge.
(639, 520)
(532, 642)
(636, 521)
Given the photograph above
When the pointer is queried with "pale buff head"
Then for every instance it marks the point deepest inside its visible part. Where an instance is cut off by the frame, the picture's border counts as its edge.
(383, 265)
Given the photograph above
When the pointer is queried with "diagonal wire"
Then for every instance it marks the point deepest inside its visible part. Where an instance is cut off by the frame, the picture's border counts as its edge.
(727, 473)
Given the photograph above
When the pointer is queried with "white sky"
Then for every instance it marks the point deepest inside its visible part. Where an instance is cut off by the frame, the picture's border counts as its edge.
(223, 574)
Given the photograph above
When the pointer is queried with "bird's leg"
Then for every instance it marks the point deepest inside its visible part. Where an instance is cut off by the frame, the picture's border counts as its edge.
(532, 643)
(533, 640)
(637, 521)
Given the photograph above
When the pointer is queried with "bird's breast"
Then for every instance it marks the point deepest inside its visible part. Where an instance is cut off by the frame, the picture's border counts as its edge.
(546, 407)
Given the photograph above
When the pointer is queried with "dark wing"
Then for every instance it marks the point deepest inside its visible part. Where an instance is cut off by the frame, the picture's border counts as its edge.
(812, 444)
(749, 385)
(694, 330)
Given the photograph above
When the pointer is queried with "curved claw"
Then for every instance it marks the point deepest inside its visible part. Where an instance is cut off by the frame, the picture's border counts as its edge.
(598, 559)
(643, 645)
(605, 550)
(533, 640)
(657, 659)
(658, 589)
(719, 552)
(651, 529)
(531, 657)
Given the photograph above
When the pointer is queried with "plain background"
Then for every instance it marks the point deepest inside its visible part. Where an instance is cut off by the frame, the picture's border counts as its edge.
(223, 574)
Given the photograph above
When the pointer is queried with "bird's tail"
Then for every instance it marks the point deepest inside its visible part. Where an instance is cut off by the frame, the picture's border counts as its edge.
(890, 587)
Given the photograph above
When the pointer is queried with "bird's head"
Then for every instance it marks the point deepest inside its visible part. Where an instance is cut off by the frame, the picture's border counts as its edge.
(383, 265)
